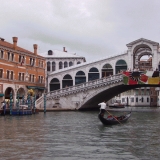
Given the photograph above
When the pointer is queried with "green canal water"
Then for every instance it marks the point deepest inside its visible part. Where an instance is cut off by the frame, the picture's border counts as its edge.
(78, 136)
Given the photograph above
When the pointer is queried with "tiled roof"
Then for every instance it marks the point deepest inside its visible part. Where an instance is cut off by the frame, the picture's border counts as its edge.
(10, 46)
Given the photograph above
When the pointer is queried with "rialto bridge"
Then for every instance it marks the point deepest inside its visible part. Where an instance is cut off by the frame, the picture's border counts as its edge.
(86, 84)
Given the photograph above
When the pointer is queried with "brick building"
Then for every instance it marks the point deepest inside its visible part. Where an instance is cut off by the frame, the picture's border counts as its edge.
(20, 70)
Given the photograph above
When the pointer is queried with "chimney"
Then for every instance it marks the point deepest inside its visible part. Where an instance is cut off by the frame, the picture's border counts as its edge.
(64, 49)
(2, 39)
(15, 39)
(35, 46)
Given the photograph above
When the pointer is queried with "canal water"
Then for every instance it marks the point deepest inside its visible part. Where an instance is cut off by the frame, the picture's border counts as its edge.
(78, 136)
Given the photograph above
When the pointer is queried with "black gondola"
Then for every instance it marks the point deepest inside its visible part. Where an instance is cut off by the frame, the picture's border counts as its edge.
(111, 120)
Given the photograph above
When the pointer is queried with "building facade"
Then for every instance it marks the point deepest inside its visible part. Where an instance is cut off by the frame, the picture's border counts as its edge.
(56, 61)
(20, 70)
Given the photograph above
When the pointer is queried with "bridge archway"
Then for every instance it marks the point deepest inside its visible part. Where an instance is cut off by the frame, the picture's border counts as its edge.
(140, 51)
(80, 77)
(121, 65)
(54, 84)
(67, 81)
(93, 100)
(107, 70)
(93, 74)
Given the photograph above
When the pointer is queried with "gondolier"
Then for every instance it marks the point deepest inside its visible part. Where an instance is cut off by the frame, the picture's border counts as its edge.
(102, 108)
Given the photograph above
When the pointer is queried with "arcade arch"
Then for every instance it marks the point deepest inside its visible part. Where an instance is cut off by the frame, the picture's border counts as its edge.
(7, 93)
(93, 74)
(80, 77)
(107, 70)
(121, 65)
(54, 84)
(67, 81)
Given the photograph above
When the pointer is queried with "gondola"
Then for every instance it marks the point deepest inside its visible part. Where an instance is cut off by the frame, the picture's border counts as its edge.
(112, 120)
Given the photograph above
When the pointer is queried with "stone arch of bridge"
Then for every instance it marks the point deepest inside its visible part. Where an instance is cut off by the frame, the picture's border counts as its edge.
(93, 101)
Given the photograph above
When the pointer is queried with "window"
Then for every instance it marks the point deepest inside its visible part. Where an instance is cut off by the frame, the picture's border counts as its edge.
(1, 54)
(53, 66)
(65, 64)
(147, 99)
(132, 99)
(12, 57)
(21, 77)
(123, 99)
(78, 62)
(40, 63)
(40, 79)
(70, 64)
(142, 99)
(21, 59)
(136, 99)
(1, 73)
(32, 61)
(10, 75)
(48, 66)
(31, 78)
(8, 55)
(60, 65)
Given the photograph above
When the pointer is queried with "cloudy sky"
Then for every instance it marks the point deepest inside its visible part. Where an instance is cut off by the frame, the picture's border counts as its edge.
(89, 28)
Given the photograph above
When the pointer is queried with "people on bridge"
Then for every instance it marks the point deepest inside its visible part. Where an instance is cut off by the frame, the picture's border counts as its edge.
(102, 108)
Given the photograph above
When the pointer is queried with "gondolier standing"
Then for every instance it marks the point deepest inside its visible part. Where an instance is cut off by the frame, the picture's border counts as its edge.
(102, 108)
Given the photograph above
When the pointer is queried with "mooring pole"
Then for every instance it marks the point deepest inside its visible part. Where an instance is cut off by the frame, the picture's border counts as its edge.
(44, 102)
(10, 106)
(34, 102)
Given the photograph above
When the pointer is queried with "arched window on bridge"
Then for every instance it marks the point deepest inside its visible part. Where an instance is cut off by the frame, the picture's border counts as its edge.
(80, 77)
(53, 66)
(67, 81)
(65, 64)
(78, 62)
(60, 65)
(48, 66)
(93, 74)
(54, 84)
(121, 65)
(107, 70)
(70, 64)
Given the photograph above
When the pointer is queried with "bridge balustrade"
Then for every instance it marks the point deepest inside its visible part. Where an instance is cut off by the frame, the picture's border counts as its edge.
(85, 86)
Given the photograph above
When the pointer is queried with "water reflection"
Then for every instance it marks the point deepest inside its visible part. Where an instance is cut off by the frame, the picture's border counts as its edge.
(79, 135)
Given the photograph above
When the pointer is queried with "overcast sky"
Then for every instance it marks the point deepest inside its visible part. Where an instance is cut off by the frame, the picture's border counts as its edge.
(90, 28)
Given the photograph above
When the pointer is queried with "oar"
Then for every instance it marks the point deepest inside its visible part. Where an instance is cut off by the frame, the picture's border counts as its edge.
(114, 117)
